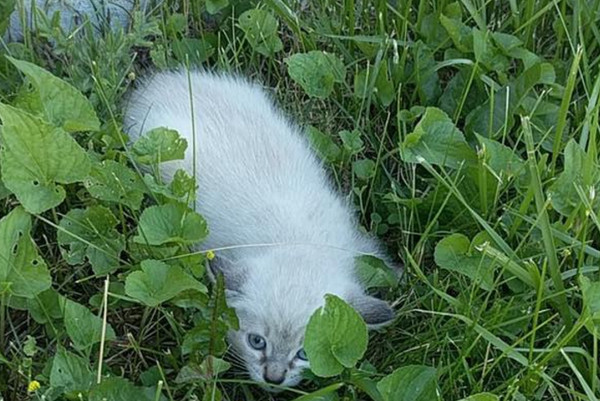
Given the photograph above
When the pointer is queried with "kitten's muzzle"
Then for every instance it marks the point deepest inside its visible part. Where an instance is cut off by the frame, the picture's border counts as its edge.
(274, 374)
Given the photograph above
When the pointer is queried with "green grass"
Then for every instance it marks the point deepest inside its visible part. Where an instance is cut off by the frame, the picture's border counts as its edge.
(497, 227)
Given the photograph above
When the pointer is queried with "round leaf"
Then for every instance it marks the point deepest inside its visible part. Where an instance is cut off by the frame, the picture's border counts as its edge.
(336, 337)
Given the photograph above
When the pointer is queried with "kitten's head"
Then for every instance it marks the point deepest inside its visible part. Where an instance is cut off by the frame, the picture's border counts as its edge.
(274, 296)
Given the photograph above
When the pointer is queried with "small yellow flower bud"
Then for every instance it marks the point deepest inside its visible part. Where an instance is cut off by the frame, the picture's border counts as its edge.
(210, 255)
(131, 76)
(33, 386)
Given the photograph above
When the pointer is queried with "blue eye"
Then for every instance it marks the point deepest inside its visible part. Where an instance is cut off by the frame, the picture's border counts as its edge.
(257, 342)
(301, 354)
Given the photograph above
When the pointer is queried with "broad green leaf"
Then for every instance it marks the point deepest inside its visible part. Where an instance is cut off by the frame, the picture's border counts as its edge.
(4, 192)
(6, 9)
(36, 158)
(71, 372)
(410, 383)
(563, 195)
(373, 272)
(386, 92)
(192, 50)
(336, 337)
(424, 74)
(482, 397)
(460, 34)
(159, 145)
(353, 144)
(590, 291)
(260, 28)
(83, 327)
(22, 271)
(91, 233)
(158, 282)
(325, 147)
(490, 122)
(431, 31)
(183, 185)
(47, 306)
(214, 6)
(437, 140)
(454, 96)
(364, 169)
(170, 223)
(63, 105)
(316, 72)
(120, 389)
(487, 54)
(113, 182)
(455, 252)
(500, 158)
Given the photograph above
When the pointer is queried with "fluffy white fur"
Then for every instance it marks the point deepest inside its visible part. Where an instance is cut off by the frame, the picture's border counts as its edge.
(260, 184)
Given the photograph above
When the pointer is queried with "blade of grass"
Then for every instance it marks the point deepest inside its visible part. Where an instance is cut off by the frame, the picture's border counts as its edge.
(548, 239)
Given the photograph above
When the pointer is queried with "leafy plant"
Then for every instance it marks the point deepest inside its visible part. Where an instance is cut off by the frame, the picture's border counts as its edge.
(464, 133)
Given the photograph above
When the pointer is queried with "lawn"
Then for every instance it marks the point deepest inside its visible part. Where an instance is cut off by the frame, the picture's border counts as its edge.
(465, 133)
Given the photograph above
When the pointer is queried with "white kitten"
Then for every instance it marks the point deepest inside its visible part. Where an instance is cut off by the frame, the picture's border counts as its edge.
(260, 183)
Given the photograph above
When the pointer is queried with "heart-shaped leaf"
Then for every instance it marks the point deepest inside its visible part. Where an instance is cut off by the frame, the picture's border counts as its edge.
(36, 157)
(158, 282)
(22, 271)
(62, 104)
(336, 337)
(170, 223)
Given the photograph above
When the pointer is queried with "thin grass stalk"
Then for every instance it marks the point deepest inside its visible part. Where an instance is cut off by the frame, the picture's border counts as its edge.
(548, 238)
(564, 108)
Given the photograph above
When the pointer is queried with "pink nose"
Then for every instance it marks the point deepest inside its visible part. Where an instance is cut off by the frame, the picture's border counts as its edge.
(274, 376)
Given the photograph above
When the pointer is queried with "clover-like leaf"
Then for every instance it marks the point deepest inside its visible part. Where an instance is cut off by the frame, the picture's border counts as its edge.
(316, 72)
(336, 337)
(260, 28)
(158, 282)
(91, 233)
(36, 157)
(455, 252)
(563, 193)
(113, 182)
(83, 327)
(159, 145)
(22, 271)
(373, 272)
(353, 144)
(324, 145)
(63, 105)
(437, 140)
(364, 169)
(501, 159)
(410, 383)
(170, 223)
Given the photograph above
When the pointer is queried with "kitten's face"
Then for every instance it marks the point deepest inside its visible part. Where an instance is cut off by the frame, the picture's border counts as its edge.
(274, 298)
(272, 354)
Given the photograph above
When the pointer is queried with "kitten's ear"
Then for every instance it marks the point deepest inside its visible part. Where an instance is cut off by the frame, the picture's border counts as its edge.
(375, 312)
(233, 273)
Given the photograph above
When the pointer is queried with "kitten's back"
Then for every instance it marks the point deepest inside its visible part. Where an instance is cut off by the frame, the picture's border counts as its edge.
(259, 182)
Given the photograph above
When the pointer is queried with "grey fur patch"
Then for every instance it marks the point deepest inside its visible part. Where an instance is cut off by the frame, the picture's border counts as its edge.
(374, 312)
